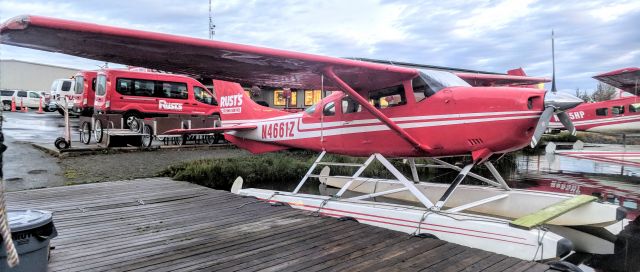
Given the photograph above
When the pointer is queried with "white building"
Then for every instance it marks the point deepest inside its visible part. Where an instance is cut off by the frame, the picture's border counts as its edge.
(23, 75)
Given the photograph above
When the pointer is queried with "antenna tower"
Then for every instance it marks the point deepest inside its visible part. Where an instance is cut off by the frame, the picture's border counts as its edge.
(212, 27)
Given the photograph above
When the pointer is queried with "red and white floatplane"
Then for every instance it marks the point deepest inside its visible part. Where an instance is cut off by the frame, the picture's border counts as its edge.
(375, 111)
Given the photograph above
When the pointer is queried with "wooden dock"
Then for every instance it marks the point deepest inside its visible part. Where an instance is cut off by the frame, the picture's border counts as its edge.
(158, 224)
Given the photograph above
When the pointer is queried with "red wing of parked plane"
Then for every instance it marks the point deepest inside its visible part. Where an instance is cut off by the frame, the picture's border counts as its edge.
(193, 56)
(626, 79)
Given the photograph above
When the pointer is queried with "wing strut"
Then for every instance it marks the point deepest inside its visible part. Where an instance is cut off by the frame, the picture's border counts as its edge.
(383, 118)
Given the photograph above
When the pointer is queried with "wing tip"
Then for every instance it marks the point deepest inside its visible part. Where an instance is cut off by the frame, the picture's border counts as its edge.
(16, 23)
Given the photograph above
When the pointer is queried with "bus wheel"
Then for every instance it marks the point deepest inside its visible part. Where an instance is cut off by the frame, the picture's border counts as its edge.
(147, 136)
(131, 120)
(97, 131)
(85, 133)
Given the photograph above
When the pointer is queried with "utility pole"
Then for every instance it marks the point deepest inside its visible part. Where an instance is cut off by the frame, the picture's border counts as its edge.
(212, 27)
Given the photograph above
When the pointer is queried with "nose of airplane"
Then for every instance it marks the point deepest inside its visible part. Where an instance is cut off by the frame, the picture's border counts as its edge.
(561, 101)
(555, 103)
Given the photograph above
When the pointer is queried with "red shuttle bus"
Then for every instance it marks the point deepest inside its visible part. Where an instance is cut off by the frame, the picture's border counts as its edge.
(84, 92)
(138, 95)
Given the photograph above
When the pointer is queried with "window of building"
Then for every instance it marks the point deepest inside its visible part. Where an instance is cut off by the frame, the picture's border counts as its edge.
(312, 97)
(635, 107)
(101, 83)
(602, 112)
(279, 100)
(617, 110)
(329, 109)
(79, 85)
(388, 97)
(204, 96)
(350, 106)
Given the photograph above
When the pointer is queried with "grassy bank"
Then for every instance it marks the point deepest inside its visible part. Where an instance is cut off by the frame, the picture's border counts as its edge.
(284, 169)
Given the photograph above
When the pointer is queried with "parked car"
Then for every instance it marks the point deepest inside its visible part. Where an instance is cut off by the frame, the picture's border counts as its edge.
(137, 95)
(30, 99)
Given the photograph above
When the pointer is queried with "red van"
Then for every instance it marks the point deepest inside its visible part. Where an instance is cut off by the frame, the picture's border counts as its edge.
(84, 92)
(139, 95)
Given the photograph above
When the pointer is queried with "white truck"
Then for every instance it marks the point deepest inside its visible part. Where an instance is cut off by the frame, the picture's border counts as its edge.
(61, 88)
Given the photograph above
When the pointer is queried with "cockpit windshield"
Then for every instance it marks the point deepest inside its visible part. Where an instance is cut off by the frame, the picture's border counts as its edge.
(438, 80)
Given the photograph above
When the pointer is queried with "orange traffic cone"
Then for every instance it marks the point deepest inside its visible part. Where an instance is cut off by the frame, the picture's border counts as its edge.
(40, 107)
(13, 104)
(23, 108)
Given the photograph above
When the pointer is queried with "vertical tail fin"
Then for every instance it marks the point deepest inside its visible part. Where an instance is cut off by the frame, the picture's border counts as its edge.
(235, 104)
(517, 72)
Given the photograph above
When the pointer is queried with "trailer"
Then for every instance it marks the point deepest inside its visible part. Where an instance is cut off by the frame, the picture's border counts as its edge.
(109, 130)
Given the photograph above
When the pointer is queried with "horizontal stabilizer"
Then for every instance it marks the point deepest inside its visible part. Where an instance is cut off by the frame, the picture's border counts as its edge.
(210, 130)
(547, 214)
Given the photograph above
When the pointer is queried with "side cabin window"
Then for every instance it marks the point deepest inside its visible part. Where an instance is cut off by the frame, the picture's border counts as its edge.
(310, 110)
(203, 96)
(152, 88)
(602, 112)
(350, 106)
(420, 89)
(617, 110)
(388, 97)
(329, 109)
(635, 107)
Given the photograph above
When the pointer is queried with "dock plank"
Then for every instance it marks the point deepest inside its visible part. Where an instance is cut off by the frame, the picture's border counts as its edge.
(157, 224)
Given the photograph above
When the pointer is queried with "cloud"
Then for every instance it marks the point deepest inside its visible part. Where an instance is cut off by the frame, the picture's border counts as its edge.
(592, 36)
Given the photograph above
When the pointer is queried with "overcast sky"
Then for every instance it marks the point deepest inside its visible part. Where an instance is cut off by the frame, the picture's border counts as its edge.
(591, 36)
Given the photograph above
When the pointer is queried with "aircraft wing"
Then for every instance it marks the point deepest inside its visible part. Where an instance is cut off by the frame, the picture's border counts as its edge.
(210, 130)
(626, 79)
(477, 79)
(194, 56)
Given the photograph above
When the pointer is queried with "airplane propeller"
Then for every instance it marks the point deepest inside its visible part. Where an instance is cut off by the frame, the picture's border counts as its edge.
(555, 103)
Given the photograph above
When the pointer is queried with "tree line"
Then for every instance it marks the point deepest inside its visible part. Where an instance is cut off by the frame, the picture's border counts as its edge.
(603, 92)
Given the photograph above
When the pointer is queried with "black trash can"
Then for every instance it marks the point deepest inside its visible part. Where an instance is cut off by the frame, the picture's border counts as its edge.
(31, 231)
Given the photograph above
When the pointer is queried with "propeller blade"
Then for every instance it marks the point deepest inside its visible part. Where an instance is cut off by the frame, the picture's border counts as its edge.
(566, 121)
(543, 122)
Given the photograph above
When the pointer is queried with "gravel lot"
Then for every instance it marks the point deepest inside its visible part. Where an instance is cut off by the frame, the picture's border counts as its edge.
(26, 167)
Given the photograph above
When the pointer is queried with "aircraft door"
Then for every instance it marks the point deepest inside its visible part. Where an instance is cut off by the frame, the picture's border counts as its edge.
(353, 115)
(331, 125)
